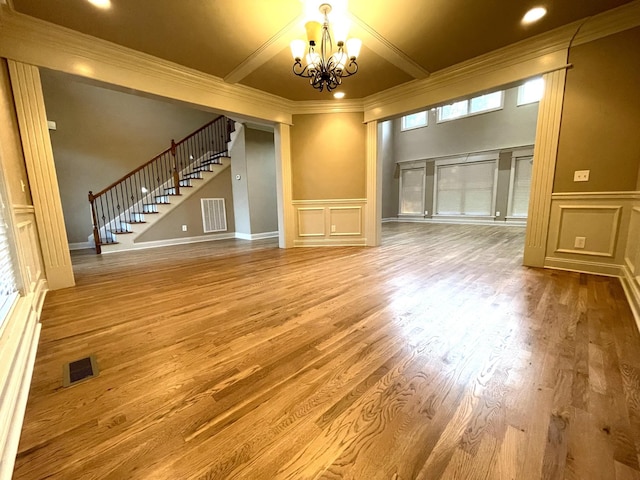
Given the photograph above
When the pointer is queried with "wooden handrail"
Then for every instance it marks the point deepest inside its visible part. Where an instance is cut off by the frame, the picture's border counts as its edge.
(168, 150)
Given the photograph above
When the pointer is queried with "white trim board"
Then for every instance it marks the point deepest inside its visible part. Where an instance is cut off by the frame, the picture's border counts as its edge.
(454, 221)
(256, 236)
(79, 245)
(106, 249)
(632, 292)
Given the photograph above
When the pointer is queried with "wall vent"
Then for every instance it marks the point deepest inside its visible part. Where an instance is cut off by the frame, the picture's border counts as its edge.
(214, 215)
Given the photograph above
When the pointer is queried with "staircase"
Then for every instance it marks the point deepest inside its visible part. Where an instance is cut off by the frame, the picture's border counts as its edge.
(128, 207)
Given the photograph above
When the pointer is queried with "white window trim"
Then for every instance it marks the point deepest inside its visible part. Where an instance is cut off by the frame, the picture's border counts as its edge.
(519, 94)
(522, 152)
(469, 114)
(466, 159)
(413, 166)
(407, 129)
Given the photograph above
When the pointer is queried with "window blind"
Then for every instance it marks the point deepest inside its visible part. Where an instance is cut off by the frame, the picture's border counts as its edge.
(412, 191)
(465, 189)
(8, 288)
(521, 186)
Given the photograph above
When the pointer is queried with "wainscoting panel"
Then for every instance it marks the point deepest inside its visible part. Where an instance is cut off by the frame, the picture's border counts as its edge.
(345, 221)
(598, 224)
(311, 222)
(602, 218)
(329, 222)
(632, 253)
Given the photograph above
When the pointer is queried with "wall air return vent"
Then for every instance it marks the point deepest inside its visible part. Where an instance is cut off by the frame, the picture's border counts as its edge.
(214, 215)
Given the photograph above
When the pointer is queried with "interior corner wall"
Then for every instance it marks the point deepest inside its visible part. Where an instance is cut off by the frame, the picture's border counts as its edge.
(261, 180)
(328, 156)
(390, 170)
(601, 116)
(189, 213)
(239, 182)
(11, 156)
(103, 134)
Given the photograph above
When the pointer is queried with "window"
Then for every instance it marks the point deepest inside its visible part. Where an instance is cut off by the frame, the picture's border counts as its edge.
(480, 104)
(521, 170)
(486, 103)
(415, 120)
(465, 188)
(412, 191)
(453, 111)
(8, 288)
(531, 91)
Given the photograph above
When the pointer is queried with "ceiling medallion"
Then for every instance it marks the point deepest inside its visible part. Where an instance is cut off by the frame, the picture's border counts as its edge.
(326, 68)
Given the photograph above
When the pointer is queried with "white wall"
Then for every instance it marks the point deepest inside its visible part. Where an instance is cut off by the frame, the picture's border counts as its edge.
(502, 130)
(510, 127)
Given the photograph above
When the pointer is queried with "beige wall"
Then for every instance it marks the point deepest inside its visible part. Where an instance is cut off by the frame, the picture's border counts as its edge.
(328, 156)
(261, 166)
(189, 212)
(10, 146)
(600, 128)
(103, 134)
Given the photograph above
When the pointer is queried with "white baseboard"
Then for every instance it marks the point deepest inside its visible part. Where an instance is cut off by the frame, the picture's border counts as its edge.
(457, 221)
(80, 246)
(584, 266)
(331, 242)
(256, 236)
(632, 291)
(119, 247)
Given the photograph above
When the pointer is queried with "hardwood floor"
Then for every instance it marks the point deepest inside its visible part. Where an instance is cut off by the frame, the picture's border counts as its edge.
(435, 356)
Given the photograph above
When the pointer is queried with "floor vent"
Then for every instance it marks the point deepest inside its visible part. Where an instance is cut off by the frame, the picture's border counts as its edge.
(79, 371)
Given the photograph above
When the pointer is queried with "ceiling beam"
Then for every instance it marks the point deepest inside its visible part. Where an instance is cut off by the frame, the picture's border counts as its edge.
(266, 52)
(381, 46)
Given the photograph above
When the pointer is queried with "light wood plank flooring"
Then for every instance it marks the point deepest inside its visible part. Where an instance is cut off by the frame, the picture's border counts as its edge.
(435, 356)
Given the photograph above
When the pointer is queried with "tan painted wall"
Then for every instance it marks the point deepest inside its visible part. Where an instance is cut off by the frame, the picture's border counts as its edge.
(600, 128)
(103, 134)
(328, 156)
(190, 213)
(10, 146)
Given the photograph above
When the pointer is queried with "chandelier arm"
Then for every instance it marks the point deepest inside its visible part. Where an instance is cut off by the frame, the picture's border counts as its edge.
(303, 72)
(350, 69)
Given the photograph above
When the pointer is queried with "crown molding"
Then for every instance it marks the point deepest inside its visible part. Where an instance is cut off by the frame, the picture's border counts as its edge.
(380, 45)
(36, 42)
(608, 23)
(266, 52)
(327, 106)
(539, 54)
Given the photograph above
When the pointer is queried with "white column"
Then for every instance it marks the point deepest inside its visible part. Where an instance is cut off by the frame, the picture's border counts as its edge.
(282, 139)
(544, 166)
(373, 219)
(43, 182)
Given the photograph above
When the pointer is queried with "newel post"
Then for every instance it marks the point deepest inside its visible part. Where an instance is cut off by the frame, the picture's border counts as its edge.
(94, 218)
(176, 176)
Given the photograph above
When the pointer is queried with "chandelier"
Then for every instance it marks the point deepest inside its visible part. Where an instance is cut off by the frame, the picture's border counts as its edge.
(326, 68)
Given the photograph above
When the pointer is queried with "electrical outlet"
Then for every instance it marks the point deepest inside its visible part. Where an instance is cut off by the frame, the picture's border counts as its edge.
(579, 242)
(426, 212)
(333, 228)
(581, 176)
(497, 214)
(184, 228)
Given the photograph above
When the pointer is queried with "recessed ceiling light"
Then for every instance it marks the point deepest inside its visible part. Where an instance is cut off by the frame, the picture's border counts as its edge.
(104, 4)
(534, 15)
(338, 95)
